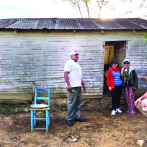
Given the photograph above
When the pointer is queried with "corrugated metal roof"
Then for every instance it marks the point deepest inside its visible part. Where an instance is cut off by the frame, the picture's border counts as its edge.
(74, 23)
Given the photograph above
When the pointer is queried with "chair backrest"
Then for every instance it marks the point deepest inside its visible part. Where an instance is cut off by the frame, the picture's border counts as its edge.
(42, 98)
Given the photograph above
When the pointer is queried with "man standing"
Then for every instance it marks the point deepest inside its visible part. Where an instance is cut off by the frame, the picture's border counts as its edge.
(73, 79)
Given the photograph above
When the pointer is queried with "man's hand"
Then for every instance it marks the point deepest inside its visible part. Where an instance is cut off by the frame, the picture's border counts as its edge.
(84, 88)
(110, 88)
(138, 101)
(69, 88)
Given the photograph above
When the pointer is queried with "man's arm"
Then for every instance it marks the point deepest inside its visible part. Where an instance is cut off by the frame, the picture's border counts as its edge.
(83, 85)
(67, 81)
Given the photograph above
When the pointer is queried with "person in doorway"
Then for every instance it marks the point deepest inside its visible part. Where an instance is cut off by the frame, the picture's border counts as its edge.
(114, 83)
(73, 79)
(130, 83)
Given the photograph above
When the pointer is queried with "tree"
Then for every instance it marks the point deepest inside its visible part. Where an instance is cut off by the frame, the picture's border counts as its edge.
(78, 4)
(75, 3)
(100, 5)
(96, 6)
(134, 6)
(86, 3)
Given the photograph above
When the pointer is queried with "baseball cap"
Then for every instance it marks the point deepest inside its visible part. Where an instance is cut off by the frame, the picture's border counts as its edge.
(126, 60)
(113, 62)
(73, 52)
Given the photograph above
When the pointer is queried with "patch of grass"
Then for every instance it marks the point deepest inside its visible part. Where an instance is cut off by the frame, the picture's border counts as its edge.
(8, 109)
(1, 102)
(53, 132)
(89, 143)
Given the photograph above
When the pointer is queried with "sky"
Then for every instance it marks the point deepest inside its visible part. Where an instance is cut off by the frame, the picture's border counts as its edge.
(52, 8)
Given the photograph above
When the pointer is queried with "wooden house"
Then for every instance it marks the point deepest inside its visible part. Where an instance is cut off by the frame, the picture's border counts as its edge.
(33, 52)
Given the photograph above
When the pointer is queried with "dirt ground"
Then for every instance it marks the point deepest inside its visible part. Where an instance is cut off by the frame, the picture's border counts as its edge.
(100, 130)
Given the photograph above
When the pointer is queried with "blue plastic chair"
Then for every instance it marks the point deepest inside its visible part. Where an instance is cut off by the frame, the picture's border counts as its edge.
(35, 110)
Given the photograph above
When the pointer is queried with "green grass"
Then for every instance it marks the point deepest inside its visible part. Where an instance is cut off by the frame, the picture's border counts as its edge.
(8, 109)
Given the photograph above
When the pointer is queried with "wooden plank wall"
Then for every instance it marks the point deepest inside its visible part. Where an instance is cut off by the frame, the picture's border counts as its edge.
(137, 53)
(37, 58)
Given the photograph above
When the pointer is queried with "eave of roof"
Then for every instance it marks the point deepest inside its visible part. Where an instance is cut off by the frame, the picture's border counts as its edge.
(74, 23)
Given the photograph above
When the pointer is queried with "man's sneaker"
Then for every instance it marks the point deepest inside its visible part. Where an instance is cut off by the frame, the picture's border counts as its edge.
(69, 122)
(113, 112)
(80, 120)
(118, 111)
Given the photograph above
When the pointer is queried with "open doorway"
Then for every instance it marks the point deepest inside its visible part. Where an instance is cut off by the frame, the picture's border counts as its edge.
(114, 50)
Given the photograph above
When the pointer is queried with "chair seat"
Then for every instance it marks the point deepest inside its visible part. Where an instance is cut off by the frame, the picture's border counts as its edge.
(39, 106)
(41, 109)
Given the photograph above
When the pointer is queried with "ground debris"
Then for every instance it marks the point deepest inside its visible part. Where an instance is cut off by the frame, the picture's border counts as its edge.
(140, 142)
(26, 109)
(71, 138)
(100, 130)
(14, 138)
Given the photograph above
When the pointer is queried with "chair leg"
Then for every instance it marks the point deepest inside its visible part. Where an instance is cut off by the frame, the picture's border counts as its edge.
(32, 120)
(49, 117)
(34, 117)
(47, 120)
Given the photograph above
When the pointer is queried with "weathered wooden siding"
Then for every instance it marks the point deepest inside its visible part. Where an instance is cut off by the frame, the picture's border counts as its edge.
(137, 53)
(38, 57)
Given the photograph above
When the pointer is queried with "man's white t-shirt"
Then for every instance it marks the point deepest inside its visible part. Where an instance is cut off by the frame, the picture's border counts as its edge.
(75, 73)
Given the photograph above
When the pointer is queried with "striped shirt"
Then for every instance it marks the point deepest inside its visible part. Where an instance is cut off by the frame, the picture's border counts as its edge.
(116, 78)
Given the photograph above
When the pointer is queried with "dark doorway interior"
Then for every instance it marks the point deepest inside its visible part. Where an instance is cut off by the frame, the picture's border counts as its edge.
(114, 50)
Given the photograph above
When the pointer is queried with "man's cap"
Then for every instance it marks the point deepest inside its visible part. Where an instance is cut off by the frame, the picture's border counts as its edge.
(74, 52)
(113, 62)
(126, 60)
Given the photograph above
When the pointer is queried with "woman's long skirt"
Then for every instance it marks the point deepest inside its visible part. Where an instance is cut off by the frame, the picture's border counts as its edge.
(130, 94)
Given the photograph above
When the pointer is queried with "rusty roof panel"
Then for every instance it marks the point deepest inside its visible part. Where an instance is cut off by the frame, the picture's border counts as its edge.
(74, 23)
(6, 22)
(67, 24)
(30, 24)
(48, 24)
(140, 22)
(128, 24)
(88, 24)
(107, 24)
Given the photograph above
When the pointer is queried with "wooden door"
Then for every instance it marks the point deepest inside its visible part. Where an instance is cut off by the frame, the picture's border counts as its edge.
(109, 54)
